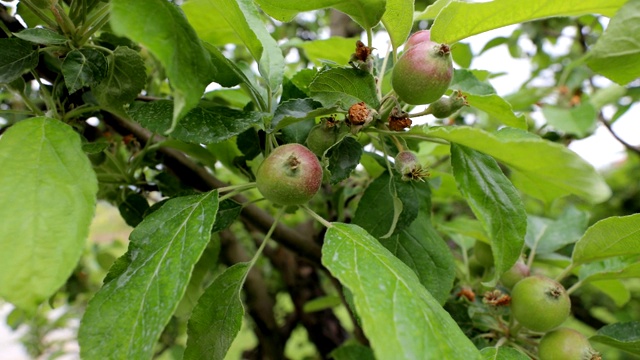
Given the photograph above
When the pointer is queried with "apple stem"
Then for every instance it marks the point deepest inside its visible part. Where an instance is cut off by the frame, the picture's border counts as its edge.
(267, 237)
(565, 273)
(574, 287)
(320, 219)
(234, 190)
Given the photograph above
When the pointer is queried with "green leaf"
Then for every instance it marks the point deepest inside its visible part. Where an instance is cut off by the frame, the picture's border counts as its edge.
(580, 120)
(545, 236)
(43, 171)
(461, 53)
(125, 79)
(398, 315)
(335, 49)
(126, 317)
(344, 87)
(432, 10)
(229, 73)
(541, 168)
(624, 336)
(498, 108)
(494, 201)
(17, 57)
(614, 268)
(352, 352)
(614, 289)
(343, 158)
(398, 20)
(614, 236)
(295, 110)
(459, 20)
(421, 248)
(367, 13)
(200, 277)
(466, 81)
(482, 95)
(133, 208)
(202, 14)
(228, 212)
(377, 210)
(226, 72)
(616, 54)
(217, 318)
(41, 36)
(243, 18)
(202, 125)
(84, 67)
(465, 226)
(170, 38)
(502, 353)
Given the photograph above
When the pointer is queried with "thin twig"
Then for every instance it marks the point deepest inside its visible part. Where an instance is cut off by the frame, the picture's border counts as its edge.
(606, 124)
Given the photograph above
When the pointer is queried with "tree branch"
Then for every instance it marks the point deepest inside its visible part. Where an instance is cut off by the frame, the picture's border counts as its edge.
(606, 124)
(199, 178)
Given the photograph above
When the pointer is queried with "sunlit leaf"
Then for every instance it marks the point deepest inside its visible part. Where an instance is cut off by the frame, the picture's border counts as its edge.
(614, 236)
(46, 206)
(399, 316)
(459, 20)
(398, 19)
(242, 18)
(616, 54)
(367, 13)
(541, 168)
(335, 49)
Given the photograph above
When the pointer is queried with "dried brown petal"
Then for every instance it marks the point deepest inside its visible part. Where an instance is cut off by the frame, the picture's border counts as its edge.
(496, 298)
(358, 114)
(362, 51)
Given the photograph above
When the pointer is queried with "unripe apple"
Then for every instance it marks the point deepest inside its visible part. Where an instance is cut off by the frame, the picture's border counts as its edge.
(518, 271)
(417, 38)
(423, 73)
(539, 303)
(447, 106)
(322, 137)
(408, 165)
(566, 344)
(290, 175)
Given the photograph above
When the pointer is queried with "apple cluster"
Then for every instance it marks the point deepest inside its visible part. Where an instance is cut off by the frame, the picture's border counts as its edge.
(541, 305)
